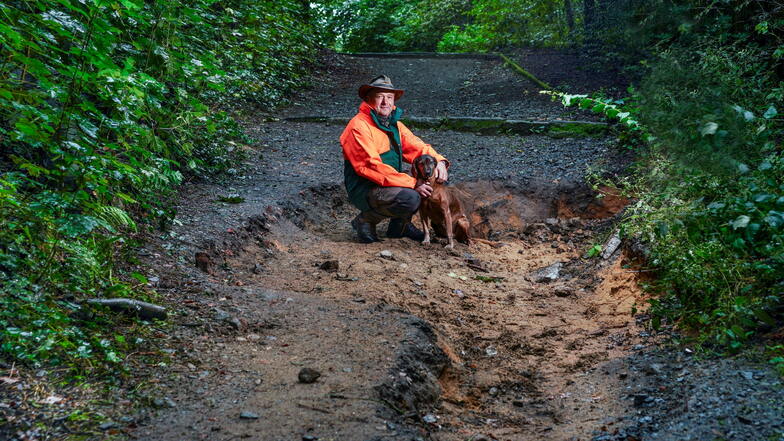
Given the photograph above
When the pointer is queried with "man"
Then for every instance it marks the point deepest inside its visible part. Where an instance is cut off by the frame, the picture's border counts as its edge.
(375, 144)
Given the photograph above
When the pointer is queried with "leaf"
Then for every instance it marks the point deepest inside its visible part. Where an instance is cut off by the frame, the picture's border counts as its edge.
(770, 113)
(594, 251)
(138, 276)
(775, 219)
(764, 197)
(709, 128)
(489, 279)
(741, 221)
(77, 224)
(52, 399)
(763, 316)
(233, 199)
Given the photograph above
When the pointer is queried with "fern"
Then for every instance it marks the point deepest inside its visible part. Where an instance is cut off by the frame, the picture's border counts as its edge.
(115, 217)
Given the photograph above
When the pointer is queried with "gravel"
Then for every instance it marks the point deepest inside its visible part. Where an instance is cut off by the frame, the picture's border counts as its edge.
(434, 88)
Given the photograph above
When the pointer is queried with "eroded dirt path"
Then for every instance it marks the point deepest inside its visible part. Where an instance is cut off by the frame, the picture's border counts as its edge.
(526, 340)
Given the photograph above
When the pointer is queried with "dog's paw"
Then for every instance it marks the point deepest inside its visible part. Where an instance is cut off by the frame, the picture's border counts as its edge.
(450, 246)
(426, 242)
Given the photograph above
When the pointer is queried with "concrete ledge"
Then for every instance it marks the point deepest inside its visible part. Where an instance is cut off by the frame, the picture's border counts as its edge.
(474, 55)
(487, 126)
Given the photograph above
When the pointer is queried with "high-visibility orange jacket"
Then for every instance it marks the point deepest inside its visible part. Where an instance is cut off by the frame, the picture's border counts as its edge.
(374, 154)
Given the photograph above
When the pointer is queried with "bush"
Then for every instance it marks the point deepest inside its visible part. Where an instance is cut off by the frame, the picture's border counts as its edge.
(104, 108)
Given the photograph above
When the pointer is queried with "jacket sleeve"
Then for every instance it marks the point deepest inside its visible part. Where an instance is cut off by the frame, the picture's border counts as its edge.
(358, 148)
(413, 147)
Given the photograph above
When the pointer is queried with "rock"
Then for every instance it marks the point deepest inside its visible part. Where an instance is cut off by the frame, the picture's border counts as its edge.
(562, 291)
(518, 402)
(493, 391)
(257, 268)
(309, 438)
(245, 415)
(235, 323)
(330, 266)
(747, 375)
(548, 273)
(642, 399)
(220, 315)
(107, 425)
(308, 375)
(654, 369)
(223, 316)
(491, 351)
(203, 262)
(612, 244)
(430, 418)
(386, 254)
(164, 402)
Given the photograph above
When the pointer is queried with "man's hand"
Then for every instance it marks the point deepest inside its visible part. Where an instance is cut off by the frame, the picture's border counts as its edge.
(442, 175)
(424, 189)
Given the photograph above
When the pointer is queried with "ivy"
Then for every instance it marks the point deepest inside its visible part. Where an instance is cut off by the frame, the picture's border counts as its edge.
(105, 108)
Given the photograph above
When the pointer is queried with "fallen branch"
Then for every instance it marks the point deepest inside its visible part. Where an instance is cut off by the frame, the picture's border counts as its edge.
(144, 310)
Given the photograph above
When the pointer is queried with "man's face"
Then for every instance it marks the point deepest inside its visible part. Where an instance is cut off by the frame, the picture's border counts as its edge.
(382, 102)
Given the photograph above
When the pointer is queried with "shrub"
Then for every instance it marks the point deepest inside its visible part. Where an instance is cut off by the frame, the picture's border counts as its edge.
(104, 108)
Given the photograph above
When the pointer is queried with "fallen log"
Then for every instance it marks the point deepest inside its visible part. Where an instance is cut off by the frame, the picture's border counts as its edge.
(144, 310)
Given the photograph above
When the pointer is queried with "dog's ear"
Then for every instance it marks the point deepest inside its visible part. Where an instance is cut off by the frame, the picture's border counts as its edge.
(415, 167)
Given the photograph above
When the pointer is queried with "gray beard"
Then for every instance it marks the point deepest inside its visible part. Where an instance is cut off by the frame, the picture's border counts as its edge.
(383, 120)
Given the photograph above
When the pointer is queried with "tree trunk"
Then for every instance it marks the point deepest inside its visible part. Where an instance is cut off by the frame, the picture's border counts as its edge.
(589, 15)
(569, 12)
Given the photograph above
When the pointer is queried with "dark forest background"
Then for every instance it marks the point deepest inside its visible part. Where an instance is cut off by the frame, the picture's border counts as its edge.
(108, 106)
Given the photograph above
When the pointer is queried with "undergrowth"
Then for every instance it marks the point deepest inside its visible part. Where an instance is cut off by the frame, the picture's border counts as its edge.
(709, 181)
(105, 107)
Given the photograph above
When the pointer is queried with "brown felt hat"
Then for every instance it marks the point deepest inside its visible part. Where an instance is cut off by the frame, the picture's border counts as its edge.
(380, 82)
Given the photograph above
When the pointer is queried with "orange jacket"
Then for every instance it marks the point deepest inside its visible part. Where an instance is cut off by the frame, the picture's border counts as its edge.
(371, 158)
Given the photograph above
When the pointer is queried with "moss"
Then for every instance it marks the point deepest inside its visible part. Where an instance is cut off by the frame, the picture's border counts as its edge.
(519, 69)
(576, 129)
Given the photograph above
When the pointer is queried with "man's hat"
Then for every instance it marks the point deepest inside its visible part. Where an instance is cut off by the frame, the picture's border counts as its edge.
(379, 82)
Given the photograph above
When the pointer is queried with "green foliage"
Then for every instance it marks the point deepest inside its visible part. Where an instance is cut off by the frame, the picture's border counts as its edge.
(709, 108)
(632, 135)
(104, 107)
(448, 26)
(426, 24)
(709, 180)
(500, 23)
(362, 25)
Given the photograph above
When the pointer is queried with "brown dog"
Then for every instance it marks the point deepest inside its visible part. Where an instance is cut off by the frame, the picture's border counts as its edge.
(443, 208)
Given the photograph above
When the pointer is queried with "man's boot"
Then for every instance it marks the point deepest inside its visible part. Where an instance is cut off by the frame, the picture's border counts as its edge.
(365, 226)
(399, 227)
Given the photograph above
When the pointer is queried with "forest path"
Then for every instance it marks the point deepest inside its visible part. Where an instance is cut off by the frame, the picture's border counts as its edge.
(412, 342)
